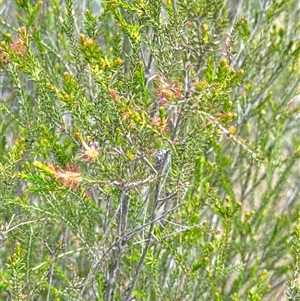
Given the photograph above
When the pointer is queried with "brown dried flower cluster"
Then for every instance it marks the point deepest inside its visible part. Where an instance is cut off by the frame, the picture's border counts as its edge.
(4, 58)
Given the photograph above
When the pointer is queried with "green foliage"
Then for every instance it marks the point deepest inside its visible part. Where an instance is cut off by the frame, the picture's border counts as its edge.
(149, 150)
(293, 284)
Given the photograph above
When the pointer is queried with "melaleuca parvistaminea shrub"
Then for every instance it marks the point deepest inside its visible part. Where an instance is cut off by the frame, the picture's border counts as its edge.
(89, 210)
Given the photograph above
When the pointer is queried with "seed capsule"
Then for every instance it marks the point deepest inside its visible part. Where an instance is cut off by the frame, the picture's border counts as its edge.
(161, 159)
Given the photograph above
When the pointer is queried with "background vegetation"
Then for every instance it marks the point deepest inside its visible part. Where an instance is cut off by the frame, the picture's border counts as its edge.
(149, 150)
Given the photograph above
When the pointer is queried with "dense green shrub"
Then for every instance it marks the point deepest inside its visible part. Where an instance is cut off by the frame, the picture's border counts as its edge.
(149, 150)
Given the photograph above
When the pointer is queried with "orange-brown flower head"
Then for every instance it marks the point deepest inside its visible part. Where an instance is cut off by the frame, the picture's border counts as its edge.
(90, 151)
(69, 177)
(19, 48)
